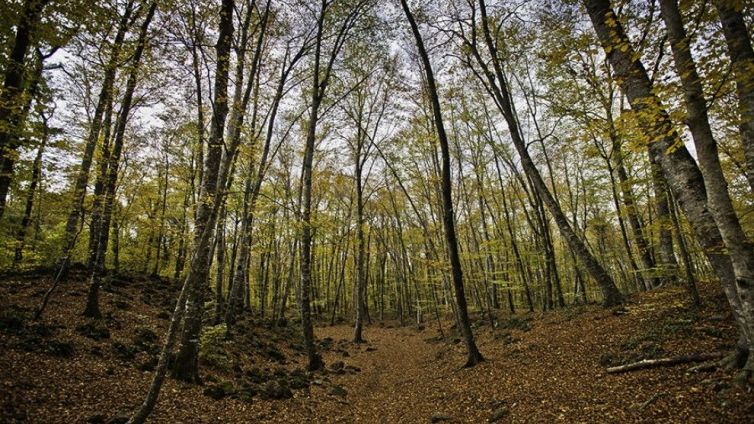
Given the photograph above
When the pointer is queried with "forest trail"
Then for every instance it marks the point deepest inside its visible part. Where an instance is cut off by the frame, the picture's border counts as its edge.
(540, 367)
(397, 382)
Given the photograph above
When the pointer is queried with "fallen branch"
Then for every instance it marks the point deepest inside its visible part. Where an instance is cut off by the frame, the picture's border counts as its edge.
(662, 362)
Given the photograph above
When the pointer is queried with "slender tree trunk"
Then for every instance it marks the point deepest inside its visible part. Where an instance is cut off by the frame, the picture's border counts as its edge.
(92, 302)
(740, 249)
(186, 367)
(103, 107)
(360, 281)
(36, 173)
(610, 293)
(474, 356)
(741, 55)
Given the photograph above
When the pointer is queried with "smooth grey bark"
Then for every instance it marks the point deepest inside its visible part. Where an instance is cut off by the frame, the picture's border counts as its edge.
(741, 54)
(739, 247)
(473, 355)
(498, 87)
(683, 176)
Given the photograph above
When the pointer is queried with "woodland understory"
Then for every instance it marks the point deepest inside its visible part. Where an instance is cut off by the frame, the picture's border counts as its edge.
(376, 211)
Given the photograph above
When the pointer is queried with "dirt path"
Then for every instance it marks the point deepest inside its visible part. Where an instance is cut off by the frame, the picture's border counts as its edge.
(396, 380)
(547, 368)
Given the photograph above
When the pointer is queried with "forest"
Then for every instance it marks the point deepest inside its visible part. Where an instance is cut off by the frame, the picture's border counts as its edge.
(376, 211)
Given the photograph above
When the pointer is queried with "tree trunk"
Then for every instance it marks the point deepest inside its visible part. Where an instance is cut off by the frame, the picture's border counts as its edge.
(103, 103)
(741, 55)
(719, 202)
(474, 356)
(610, 293)
(186, 366)
(36, 173)
(92, 299)
(683, 176)
(11, 96)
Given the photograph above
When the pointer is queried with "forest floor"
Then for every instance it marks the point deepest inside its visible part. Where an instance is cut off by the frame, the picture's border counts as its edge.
(540, 367)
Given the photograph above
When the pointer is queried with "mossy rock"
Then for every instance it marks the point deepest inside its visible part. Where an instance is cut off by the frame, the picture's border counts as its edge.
(276, 389)
(247, 391)
(516, 323)
(257, 375)
(338, 391)
(59, 349)
(149, 364)
(124, 352)
(299, 379)
(274, 354)
(220, 390)
(95, 330)
(12, 320)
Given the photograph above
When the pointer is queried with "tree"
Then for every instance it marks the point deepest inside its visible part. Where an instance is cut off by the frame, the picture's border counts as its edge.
(473, 355)
(741, 54)
(685, 180)
(12, 95)
(322, 71)
(97, 257)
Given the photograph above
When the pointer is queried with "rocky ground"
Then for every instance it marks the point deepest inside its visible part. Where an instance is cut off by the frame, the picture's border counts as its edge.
(539, 367)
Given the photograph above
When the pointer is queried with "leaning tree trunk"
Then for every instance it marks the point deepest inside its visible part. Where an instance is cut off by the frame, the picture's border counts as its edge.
(666, 147)
(719, 202)
(103, 102)
(610, 293)
(474, 356)
(186, 365)
(208, 210)
(741, 55)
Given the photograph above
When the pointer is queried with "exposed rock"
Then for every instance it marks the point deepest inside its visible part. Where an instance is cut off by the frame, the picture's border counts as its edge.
(438, 417)
(96, 419)
(94, 330)
(220, 390)
(337, 366)
(338, 391)
(499, 414)
(276, 389)
(120, 418)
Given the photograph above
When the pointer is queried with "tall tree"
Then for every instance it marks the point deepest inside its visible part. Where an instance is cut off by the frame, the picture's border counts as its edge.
(497, 86)
(186, 366)
(104, 100)
(448, 218)
(193, 285)
(738, 40)
(684, 177)
(322, 72)
(98, 263)
(11, 96)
